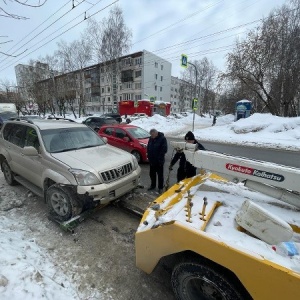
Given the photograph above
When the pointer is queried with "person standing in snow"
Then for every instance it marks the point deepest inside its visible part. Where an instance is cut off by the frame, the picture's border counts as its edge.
(186, 169)
(156, 149)
(214, 121)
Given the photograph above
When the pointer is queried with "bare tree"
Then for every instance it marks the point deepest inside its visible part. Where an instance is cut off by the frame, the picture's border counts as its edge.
(268, 61)
(33, 3)
(10, 93)
(75, 57)
(205, 82)
(8, 14)
(110, 39)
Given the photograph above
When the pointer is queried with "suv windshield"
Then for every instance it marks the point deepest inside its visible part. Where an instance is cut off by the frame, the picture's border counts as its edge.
(138, 133)
(66, 139)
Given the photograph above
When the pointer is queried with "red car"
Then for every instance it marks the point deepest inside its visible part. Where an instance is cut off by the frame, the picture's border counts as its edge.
(127, 137)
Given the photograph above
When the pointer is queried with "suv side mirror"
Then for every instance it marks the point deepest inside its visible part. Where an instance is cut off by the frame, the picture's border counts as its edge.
(29, 151)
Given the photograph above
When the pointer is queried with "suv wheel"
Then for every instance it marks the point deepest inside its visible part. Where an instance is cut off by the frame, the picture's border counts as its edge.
(62, 202)
(8, 174)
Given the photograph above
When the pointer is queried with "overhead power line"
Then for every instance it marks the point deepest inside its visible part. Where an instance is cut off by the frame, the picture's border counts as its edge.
(176, 23)
(40, 31)
(83, 19)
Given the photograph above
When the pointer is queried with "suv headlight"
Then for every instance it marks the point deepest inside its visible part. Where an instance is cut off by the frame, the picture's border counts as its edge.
(84, 177)
(135, 163)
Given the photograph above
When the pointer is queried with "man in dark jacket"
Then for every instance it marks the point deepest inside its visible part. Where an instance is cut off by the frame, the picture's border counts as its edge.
(186, 169)
(156, 150)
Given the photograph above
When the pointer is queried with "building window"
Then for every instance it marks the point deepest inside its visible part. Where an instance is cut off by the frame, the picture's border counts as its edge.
(127, 85)
(138, 73)
(156, 65)
(120, 98)
(138, 85)
(161, 67)
(108, 99)
(155, 76)
(155, 87)
(102, 79)
(138, 60)
(127, 96)
(138, 97)
(102, 90)
(161, 78)
(108, 89)
(161, 88)
(103, 99)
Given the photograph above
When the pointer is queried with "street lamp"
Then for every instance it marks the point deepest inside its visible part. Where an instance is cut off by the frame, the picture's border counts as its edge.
(184, 63)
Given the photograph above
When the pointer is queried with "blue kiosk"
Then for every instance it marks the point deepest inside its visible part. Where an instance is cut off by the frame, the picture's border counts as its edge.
(243, 109)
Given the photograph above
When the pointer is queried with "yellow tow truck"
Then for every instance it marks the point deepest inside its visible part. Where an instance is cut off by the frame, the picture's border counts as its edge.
(225, 230)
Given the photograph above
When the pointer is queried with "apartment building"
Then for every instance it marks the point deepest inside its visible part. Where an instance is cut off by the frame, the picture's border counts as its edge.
(140, 75)
(181, 95)
(135, 76)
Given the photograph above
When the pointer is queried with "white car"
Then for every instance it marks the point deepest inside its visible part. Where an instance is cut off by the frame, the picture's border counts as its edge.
(67, 163)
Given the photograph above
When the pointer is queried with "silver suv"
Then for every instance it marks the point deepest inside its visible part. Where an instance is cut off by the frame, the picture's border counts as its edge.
(66, 163)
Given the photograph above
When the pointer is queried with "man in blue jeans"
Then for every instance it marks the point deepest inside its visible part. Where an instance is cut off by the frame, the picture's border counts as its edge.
(156, 150)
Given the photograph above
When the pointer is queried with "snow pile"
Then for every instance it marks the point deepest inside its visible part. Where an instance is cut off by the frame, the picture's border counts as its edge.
(26, 272)
(163, 124)
(260, 130)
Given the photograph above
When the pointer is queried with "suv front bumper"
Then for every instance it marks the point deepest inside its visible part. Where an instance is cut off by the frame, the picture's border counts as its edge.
(107, 192)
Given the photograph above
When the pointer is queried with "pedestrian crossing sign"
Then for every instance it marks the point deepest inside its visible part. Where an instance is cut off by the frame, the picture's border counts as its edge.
(184, 60)
(195, 104)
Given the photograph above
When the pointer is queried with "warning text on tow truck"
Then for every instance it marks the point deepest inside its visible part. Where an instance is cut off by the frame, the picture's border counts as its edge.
(254, 172)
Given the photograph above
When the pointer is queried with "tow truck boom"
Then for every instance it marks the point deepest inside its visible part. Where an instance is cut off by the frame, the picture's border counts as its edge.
(275, 180)
(220, 239)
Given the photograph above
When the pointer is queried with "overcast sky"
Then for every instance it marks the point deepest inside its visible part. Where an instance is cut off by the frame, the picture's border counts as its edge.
(167, 28)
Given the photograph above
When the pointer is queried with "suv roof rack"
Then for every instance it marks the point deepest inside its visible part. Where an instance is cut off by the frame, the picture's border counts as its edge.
(20, 119)
(60, 118)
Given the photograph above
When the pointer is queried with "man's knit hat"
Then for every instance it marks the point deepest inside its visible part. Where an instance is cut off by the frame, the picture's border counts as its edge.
(189, 136)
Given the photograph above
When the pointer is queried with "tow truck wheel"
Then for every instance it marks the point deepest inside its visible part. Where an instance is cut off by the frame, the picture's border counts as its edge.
(191, 281)
(8, 174)
(137, 156)
(63, 202)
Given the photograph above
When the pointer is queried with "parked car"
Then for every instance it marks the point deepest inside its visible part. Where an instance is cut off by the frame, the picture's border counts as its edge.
(138, 116)
(7, 111)
(96, 122)
(127, 137)
(117, 117)
(184, 113)
(67, 163)
(176, 116)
